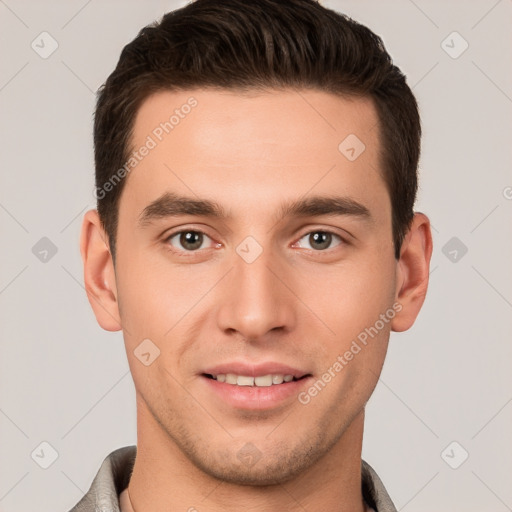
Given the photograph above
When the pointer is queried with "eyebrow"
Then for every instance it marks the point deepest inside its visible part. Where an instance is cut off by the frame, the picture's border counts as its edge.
(173, 205)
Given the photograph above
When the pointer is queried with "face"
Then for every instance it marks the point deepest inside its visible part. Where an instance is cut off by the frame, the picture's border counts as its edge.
(283, 263)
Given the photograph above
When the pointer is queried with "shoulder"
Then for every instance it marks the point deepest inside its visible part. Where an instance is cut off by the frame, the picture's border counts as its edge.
(112, 478)
(374, 492)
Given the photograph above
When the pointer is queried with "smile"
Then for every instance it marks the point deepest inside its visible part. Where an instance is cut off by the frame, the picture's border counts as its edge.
(260, 381)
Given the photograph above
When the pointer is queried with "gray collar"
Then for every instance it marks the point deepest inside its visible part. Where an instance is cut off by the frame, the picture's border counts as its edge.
(116, 470)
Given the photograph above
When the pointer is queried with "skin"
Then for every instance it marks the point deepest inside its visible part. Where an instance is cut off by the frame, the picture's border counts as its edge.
(296, 304)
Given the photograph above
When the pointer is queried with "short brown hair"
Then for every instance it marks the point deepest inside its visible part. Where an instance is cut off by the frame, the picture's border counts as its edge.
(262, 44)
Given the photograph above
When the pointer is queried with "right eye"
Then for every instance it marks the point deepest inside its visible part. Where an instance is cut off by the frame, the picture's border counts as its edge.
(190, 240)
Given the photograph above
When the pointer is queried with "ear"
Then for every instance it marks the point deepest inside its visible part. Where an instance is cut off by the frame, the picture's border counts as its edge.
(99, 275)
(413, 272)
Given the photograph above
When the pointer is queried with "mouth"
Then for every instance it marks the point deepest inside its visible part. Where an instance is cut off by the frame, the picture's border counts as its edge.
(265, 386)
(260, 381)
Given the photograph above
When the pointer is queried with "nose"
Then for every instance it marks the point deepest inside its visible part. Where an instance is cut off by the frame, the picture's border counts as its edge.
(256, 298)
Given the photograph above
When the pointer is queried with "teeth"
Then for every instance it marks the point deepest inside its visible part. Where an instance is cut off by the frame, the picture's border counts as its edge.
(265, 380)
(244, 381)
(231, 378)
(261, 381)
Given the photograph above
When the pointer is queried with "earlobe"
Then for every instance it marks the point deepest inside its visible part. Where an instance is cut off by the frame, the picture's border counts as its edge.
(413, 272)
(99, 275)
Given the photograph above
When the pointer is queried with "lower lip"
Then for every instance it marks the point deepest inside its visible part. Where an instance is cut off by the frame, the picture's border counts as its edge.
(255, 397)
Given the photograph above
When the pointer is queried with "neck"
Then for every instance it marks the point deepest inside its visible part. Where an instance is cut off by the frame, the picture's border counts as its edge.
(163, 478)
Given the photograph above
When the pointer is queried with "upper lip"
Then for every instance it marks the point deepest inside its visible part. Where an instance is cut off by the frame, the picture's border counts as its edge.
(255, 370)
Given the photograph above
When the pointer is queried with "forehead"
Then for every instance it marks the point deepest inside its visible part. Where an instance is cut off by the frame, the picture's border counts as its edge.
(256, 144)
(257, 118)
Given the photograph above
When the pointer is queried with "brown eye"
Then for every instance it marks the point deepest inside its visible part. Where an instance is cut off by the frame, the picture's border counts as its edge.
(188, 240)
(319, 240)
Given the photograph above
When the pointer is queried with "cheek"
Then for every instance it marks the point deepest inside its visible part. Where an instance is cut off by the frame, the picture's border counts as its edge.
(348, 298)
(358, 308)
(159, 301)
(146, 288)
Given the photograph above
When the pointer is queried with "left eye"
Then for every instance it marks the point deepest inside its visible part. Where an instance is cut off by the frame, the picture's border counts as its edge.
(189, 240)
(320, 240)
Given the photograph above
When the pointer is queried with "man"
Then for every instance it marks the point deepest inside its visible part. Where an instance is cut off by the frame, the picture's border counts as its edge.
(256, 242)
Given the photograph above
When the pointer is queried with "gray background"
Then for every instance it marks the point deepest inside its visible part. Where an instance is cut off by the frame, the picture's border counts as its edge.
(66, 382)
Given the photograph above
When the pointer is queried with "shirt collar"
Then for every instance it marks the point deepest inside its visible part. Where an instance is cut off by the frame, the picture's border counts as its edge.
(116, 470)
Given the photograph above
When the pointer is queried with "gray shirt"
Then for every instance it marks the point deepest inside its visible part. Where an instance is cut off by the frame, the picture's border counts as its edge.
(115, 472)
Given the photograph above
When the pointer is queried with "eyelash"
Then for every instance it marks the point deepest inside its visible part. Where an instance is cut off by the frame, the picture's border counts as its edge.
(185, 253)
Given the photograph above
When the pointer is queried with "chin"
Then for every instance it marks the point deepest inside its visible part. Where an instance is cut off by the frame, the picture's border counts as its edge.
(274, 466)
(260, 475)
